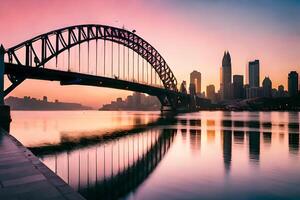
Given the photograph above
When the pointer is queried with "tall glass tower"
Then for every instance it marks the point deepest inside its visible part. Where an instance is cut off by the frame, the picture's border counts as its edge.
(225, 86)
(253, 72)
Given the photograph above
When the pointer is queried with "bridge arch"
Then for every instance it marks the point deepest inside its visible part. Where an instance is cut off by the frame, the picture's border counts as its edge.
(68, 37)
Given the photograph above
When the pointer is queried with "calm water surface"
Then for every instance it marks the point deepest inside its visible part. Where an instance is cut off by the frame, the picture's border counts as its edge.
(141, 155)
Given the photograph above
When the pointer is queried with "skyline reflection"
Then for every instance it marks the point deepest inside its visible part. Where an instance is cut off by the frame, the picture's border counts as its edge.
(160, 155)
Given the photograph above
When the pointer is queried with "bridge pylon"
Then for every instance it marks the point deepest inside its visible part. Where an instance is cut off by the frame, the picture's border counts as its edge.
(2, 52)
(4, 110)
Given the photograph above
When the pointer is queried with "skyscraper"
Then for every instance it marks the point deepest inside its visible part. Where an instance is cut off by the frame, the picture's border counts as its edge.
(238, 86)
(137, 97)
(210, 92)
(192, 89)
(183, 87)
(293, 83)
(195, 78)
(253, 73)
(267, 87)
(225, 83)
(281, 91)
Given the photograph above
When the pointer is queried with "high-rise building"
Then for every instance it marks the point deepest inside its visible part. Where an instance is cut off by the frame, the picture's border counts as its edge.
(137, 97)
(225, 83)
(280, 92)
(274, 93)
(195, 78)
(293, 83)
(130, 101)
(183, 87)
(280, 88)
(192, 89)
(253, 73)
(238, 86)
(246, 91)
(267, 87)
(211, 93)
(254, 92)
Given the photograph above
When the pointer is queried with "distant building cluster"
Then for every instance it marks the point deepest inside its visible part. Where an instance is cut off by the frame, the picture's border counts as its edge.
(137, 101)
(235, 87)
(28, 103)
(236, 92)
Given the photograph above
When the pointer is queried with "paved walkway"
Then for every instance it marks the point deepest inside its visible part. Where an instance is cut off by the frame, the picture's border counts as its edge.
(24, 176)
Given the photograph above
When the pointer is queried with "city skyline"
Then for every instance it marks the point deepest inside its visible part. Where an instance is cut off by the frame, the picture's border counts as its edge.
(149, 99)
(276, 41)
(233, 87)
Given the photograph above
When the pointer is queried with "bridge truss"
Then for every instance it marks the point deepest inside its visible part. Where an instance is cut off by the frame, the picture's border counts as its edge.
(95, 55)
(93, 49)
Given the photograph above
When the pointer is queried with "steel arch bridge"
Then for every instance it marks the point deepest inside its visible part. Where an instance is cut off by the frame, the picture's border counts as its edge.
(94, 55)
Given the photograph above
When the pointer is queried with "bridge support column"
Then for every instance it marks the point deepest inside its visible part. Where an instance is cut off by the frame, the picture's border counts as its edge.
(5, 118)
(2, 51)
(4, 110)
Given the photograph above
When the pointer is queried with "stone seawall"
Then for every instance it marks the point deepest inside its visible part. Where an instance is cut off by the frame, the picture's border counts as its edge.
(24, 176)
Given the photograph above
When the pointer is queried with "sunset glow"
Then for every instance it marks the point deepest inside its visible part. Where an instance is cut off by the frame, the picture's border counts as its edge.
(190, 35)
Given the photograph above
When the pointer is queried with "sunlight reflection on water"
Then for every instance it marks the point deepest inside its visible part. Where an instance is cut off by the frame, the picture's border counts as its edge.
(139, 155)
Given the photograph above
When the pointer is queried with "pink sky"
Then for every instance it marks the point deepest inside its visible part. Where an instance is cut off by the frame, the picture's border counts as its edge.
(189, 37)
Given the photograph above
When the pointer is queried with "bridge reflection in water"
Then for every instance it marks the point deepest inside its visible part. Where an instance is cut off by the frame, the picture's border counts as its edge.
(111, 169)
(202, 153)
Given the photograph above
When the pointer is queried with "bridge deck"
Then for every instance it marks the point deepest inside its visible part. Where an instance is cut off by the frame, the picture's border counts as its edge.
(24, 176)
(75, 78)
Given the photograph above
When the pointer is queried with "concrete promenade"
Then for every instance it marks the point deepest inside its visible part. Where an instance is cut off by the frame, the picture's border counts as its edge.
(24, 176)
